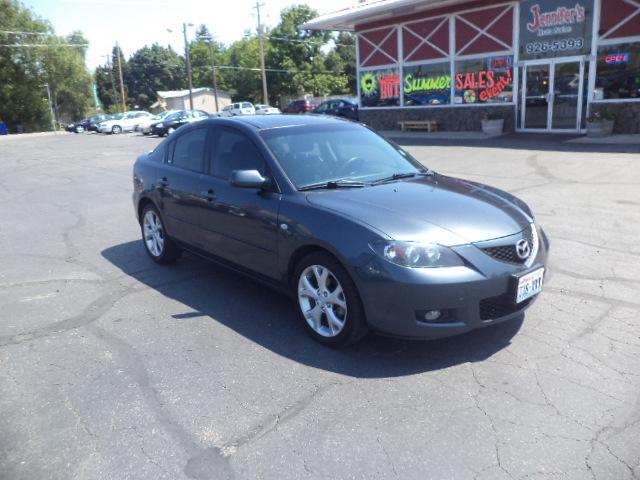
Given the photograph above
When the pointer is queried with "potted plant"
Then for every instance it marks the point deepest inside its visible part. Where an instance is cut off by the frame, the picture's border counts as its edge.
(600, 124)
(492, 124)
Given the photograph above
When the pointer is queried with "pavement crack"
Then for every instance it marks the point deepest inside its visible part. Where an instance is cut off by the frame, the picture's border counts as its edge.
(273, 422)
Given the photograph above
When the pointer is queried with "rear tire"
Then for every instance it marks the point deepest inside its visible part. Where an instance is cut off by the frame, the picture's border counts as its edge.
(327, 301)
(160, 247)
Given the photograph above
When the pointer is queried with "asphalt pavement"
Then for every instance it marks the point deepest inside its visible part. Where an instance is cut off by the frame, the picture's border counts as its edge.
(112, 367)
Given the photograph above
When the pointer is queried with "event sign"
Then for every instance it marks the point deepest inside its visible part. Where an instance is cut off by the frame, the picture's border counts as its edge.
(555, 28)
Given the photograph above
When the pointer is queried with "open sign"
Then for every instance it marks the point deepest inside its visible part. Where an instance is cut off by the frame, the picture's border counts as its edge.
(616, 58)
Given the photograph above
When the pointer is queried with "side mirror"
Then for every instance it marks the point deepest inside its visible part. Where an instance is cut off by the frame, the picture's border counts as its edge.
(248, 179)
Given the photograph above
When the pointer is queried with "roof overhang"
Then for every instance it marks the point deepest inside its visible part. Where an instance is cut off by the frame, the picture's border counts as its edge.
(349, 18)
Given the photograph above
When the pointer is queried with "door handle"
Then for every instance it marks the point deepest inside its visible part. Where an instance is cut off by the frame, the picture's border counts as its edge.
(163, 182)
(209, 195)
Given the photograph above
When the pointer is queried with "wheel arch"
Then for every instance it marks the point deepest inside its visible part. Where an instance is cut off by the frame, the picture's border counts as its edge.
(142, 203)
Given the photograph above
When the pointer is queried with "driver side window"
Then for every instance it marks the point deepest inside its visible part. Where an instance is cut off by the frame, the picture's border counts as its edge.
(233, 150)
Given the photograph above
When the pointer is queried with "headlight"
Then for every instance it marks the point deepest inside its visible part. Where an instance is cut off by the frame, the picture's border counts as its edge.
(415, 254)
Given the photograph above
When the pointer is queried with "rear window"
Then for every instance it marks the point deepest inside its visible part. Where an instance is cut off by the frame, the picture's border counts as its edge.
(246, 105)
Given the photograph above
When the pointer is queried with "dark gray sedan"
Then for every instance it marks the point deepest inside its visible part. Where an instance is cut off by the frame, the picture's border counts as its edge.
(360, 233)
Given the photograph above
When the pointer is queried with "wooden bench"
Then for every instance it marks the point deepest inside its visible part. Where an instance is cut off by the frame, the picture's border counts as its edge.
(428, 125)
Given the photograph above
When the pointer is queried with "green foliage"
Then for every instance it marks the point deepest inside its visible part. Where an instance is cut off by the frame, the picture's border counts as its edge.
(200, 51)
(24, 71)
(151, 69)
(242, 83)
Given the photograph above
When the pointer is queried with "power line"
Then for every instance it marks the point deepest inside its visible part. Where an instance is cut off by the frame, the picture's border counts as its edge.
(231, 67)
(27, 33)
(292, 40)
(35, 45)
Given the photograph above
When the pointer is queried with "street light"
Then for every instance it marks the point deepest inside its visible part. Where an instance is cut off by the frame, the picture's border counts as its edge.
(188, 57)
(213, 68)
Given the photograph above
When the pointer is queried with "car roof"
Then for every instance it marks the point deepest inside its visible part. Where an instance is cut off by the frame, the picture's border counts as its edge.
(266, 122)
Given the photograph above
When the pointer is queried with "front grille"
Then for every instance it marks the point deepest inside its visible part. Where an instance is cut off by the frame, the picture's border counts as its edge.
(507, 253)
(500, 306)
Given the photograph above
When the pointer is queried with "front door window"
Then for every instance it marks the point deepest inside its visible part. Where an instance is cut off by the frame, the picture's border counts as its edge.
(537, 96)
(566, 93)
(551, 95)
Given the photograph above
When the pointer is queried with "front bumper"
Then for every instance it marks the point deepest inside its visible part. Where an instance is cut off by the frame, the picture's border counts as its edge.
(473, 296)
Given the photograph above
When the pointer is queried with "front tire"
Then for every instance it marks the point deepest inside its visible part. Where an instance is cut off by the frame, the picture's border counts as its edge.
(116, 129)
(328, 302)
(156, 242)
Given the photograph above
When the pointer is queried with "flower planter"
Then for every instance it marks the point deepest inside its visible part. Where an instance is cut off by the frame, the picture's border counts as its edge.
(602, 128)
(493, 127)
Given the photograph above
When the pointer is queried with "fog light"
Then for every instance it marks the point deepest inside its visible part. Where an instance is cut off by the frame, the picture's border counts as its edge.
(432, 315)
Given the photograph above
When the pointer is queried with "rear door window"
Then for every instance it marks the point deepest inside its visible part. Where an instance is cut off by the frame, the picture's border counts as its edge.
(187, 151)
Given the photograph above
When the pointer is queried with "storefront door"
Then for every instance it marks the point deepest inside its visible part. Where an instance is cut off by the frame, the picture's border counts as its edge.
(551, 93)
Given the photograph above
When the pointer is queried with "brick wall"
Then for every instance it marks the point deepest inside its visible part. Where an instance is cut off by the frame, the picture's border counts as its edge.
(454, 119)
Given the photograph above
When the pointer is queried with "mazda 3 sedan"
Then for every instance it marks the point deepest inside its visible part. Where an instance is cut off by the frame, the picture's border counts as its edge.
(358, 232)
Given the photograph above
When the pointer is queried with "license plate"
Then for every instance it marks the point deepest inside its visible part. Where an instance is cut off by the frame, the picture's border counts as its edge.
(529, 285)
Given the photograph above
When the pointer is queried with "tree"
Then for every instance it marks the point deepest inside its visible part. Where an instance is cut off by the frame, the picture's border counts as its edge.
(65, 71)
(200, 51)
(243, 76)
(151, 69)
(342, 60)
(24, 71)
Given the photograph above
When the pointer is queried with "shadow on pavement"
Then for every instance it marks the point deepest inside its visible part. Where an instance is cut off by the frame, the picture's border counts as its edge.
(518, 141)
(268, 318)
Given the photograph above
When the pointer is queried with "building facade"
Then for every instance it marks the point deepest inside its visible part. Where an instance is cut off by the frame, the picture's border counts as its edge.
(542, 65)
(203, 99)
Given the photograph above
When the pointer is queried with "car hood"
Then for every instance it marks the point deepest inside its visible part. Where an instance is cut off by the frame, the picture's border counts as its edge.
(435, 209)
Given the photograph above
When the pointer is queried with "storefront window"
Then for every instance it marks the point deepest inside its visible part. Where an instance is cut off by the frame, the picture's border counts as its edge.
(380, 88)
(427, 84)
(485, 80)
(618, 72)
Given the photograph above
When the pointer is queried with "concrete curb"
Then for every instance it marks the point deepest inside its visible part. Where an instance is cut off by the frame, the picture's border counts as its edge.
(14, 136)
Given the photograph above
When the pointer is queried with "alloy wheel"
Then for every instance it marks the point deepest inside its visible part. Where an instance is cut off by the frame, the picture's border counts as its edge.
(153, 233)
(322, 300)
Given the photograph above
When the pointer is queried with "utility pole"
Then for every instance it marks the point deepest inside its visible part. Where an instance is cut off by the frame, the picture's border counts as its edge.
(264, 73)
(53, 118)
(213, 68)
(124, 103)
(113, 84)
(188, 57)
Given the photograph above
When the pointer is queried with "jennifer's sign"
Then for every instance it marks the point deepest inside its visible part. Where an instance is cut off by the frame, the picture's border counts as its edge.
(555, 28)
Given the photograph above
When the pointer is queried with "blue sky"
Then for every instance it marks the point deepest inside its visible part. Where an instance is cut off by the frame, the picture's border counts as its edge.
(134, 23)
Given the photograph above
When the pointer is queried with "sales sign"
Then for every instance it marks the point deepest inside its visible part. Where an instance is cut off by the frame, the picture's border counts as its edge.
(555, 28)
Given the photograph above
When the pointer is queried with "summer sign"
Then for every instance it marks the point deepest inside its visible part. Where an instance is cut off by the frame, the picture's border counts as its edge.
(555, 28)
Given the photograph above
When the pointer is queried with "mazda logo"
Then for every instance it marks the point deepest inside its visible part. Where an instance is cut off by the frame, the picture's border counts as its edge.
(523, 249)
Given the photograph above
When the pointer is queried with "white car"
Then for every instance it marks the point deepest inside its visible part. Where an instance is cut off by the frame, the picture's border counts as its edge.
(267, 110)
(144, 123)
(238, 108)
(123, 122)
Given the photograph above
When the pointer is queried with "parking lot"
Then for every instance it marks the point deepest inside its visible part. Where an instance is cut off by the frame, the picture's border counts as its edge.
(113, 367)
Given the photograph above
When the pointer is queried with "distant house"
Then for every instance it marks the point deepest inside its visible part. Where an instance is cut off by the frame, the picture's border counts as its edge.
(203, 99)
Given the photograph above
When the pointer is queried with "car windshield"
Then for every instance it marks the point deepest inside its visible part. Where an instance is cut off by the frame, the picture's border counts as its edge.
(313, 155)
(117, 116)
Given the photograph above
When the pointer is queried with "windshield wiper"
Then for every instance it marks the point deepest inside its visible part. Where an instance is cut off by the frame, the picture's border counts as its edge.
(333, 184)
(399, 176)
